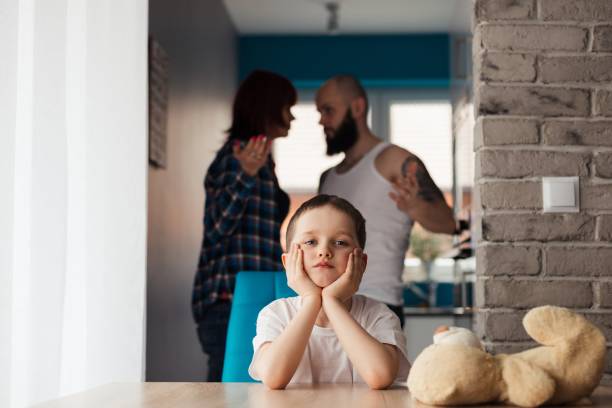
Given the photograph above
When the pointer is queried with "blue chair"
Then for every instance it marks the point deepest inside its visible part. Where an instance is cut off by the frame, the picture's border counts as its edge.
(253, 291)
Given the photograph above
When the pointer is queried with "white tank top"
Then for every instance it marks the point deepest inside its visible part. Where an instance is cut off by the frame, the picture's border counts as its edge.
(387, 228)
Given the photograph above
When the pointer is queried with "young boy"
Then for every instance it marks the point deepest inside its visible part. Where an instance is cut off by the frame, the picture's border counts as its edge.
(327, 334)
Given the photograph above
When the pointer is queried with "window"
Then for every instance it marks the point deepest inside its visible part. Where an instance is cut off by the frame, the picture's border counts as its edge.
(300, 158)
(424, 128)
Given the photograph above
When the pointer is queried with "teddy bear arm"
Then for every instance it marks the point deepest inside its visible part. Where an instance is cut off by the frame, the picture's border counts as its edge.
(527, 385)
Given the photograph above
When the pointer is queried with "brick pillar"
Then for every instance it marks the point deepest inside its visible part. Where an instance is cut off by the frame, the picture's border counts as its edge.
(543, 101)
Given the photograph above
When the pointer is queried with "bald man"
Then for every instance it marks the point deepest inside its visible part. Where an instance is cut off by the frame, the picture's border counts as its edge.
(389, 185)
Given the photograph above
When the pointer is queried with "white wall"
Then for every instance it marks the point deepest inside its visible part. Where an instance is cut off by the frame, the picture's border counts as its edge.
(8, 107)
(73, 179)
(201, 43)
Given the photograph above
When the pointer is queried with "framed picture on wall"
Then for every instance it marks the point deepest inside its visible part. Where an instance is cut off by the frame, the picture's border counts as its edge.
(158, 104)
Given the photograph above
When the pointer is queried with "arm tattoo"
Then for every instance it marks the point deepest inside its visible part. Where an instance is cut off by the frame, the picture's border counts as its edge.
(428, 190)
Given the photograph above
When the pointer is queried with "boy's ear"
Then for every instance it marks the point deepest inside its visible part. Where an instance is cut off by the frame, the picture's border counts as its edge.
(283, 259)
(365, 260)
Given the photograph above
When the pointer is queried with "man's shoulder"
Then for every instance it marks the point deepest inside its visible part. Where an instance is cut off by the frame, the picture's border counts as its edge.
(389, 161)
(327, 171)
(324, 176)
(394, 153)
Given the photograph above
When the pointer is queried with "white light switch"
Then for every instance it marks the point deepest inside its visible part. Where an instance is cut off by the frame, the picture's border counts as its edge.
(560, 194)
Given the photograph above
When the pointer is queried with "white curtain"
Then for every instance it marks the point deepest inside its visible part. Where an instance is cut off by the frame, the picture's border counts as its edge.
(73, 208)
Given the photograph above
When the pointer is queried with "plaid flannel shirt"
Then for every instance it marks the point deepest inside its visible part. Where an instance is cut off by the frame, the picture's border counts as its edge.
(242, 223)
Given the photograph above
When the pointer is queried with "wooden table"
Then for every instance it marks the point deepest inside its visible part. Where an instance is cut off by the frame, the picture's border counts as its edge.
(219, 395)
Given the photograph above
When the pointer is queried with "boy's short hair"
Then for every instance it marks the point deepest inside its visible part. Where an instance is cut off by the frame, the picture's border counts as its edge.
(339, 204)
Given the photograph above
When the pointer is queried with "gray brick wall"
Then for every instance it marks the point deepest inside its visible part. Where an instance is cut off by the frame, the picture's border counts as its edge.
(602, 38)
(543, 103)
(603, 102)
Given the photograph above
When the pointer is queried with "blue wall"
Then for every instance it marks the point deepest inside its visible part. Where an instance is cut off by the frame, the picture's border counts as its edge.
(420, 60)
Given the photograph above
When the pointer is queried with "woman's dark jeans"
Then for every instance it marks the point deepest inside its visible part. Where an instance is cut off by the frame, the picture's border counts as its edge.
(212, 332)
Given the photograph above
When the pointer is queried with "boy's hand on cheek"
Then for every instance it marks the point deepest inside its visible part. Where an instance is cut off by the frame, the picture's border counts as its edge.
(297, 279)
(348, 283)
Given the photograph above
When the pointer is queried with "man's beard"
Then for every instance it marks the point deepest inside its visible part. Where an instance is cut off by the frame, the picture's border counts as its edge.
(344, 137)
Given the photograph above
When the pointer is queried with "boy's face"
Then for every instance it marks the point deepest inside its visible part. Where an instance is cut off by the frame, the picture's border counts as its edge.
(327, 237)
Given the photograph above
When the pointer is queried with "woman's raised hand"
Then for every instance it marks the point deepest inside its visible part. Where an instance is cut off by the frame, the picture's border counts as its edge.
(254, 155)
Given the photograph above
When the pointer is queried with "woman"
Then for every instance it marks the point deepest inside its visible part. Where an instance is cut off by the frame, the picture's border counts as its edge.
(244, 209)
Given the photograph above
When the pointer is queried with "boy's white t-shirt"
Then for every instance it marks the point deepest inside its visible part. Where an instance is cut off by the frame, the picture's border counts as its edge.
(324, 360)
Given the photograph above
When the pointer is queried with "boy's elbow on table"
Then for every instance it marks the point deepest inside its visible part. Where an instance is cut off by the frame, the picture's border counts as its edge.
(379, 382)
(379, 379)
(273, 379)
(275, 383)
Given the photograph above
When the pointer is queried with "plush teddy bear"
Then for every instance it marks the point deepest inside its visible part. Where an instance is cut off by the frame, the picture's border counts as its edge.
(568, 366)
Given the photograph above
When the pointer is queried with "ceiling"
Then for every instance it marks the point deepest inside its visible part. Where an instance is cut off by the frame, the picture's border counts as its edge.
(354, 16)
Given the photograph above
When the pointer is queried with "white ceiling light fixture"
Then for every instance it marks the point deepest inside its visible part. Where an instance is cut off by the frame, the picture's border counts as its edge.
(332, 18)
(332, 9)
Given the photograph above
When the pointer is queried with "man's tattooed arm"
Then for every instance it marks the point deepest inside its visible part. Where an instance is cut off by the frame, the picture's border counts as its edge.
(428, 190)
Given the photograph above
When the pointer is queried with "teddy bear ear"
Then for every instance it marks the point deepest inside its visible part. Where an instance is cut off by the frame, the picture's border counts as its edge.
(526, 384)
